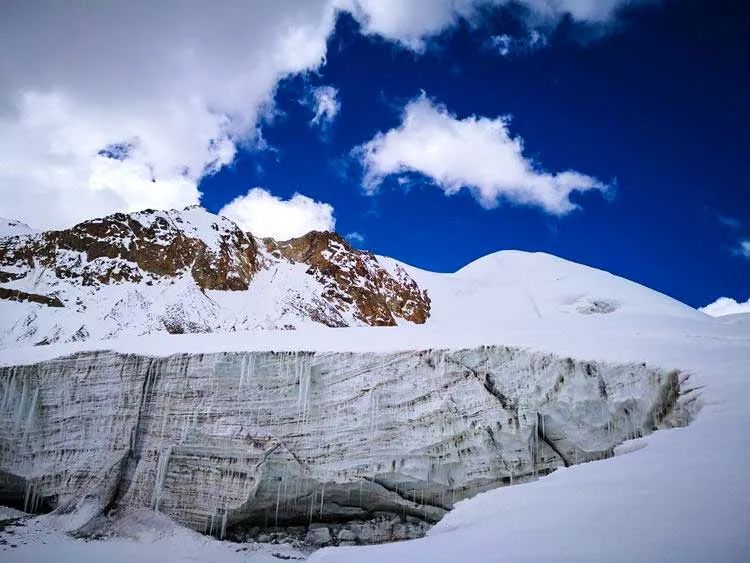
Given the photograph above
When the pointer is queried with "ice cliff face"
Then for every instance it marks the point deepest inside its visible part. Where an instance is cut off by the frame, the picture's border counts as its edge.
(189, 271)
(227, 439)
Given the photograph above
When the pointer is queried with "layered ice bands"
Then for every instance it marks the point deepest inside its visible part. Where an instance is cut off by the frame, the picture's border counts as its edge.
(293, 438)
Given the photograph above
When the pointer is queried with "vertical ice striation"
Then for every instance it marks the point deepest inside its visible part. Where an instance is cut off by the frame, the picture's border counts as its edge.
(291, 438)
(303, 372)
(161, 475)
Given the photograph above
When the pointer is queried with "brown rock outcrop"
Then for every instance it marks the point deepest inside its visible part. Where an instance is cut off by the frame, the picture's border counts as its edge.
(355, 277)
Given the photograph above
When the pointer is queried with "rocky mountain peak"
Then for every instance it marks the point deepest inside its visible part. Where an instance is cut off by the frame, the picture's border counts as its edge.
(138, 246)
(355, 277)
(177, 270)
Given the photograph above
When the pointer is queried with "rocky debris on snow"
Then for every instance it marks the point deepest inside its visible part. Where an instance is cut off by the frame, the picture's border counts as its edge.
(382, 528)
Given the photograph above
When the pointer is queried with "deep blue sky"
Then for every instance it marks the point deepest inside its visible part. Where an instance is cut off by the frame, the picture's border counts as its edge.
(659, 105)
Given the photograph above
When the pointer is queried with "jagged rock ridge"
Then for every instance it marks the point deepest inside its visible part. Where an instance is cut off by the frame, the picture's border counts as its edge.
(190, 271)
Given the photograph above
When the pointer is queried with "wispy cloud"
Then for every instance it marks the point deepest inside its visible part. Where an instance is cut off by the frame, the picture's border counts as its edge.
(743, 249)
(507, 45)
(730, 222)
(325, 103)
(355, 238)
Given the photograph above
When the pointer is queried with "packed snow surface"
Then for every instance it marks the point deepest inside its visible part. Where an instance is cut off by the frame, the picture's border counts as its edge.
(676, 495)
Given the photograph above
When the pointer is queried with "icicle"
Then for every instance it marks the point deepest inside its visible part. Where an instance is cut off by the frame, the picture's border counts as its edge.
(373, 412)
(278, 498)
(224, 524)
(27, 497)
(161, 476)
(20, 407)
(536, 443)
(303, 381)
(243, 362)
(312, 506)
(32, 412)
(322, 493)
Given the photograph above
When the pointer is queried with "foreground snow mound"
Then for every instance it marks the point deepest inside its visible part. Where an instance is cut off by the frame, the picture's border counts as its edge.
(135, 535)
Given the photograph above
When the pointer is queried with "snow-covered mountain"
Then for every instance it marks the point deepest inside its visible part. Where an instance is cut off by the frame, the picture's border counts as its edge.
(514, 367)
(192, 271)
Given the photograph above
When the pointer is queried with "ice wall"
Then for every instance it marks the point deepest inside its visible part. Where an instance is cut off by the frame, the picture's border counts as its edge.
(290, 438)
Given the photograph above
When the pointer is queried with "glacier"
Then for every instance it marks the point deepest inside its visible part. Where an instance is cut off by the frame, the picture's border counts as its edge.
(223, 440)
(517, 368)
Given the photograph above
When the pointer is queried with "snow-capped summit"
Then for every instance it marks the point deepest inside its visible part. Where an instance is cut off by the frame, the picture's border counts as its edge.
(512, 287)
(12, 227)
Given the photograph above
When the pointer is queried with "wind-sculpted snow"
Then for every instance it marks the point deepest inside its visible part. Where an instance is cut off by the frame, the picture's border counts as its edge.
(217, 440)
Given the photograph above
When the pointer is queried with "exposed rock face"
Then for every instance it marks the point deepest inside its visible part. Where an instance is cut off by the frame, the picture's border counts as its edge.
(189, 271)
(15, 295)
(240, 439)
(355, 278)
(126, 248)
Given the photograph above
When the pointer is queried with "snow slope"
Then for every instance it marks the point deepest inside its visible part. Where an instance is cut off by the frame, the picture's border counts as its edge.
(143, 536)
(512, 286)
(677, 495)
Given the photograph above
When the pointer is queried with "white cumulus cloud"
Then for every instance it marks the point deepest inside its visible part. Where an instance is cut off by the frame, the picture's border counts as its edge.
(475, 153)
(181, 84)
(265, 215)
(726, 306)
